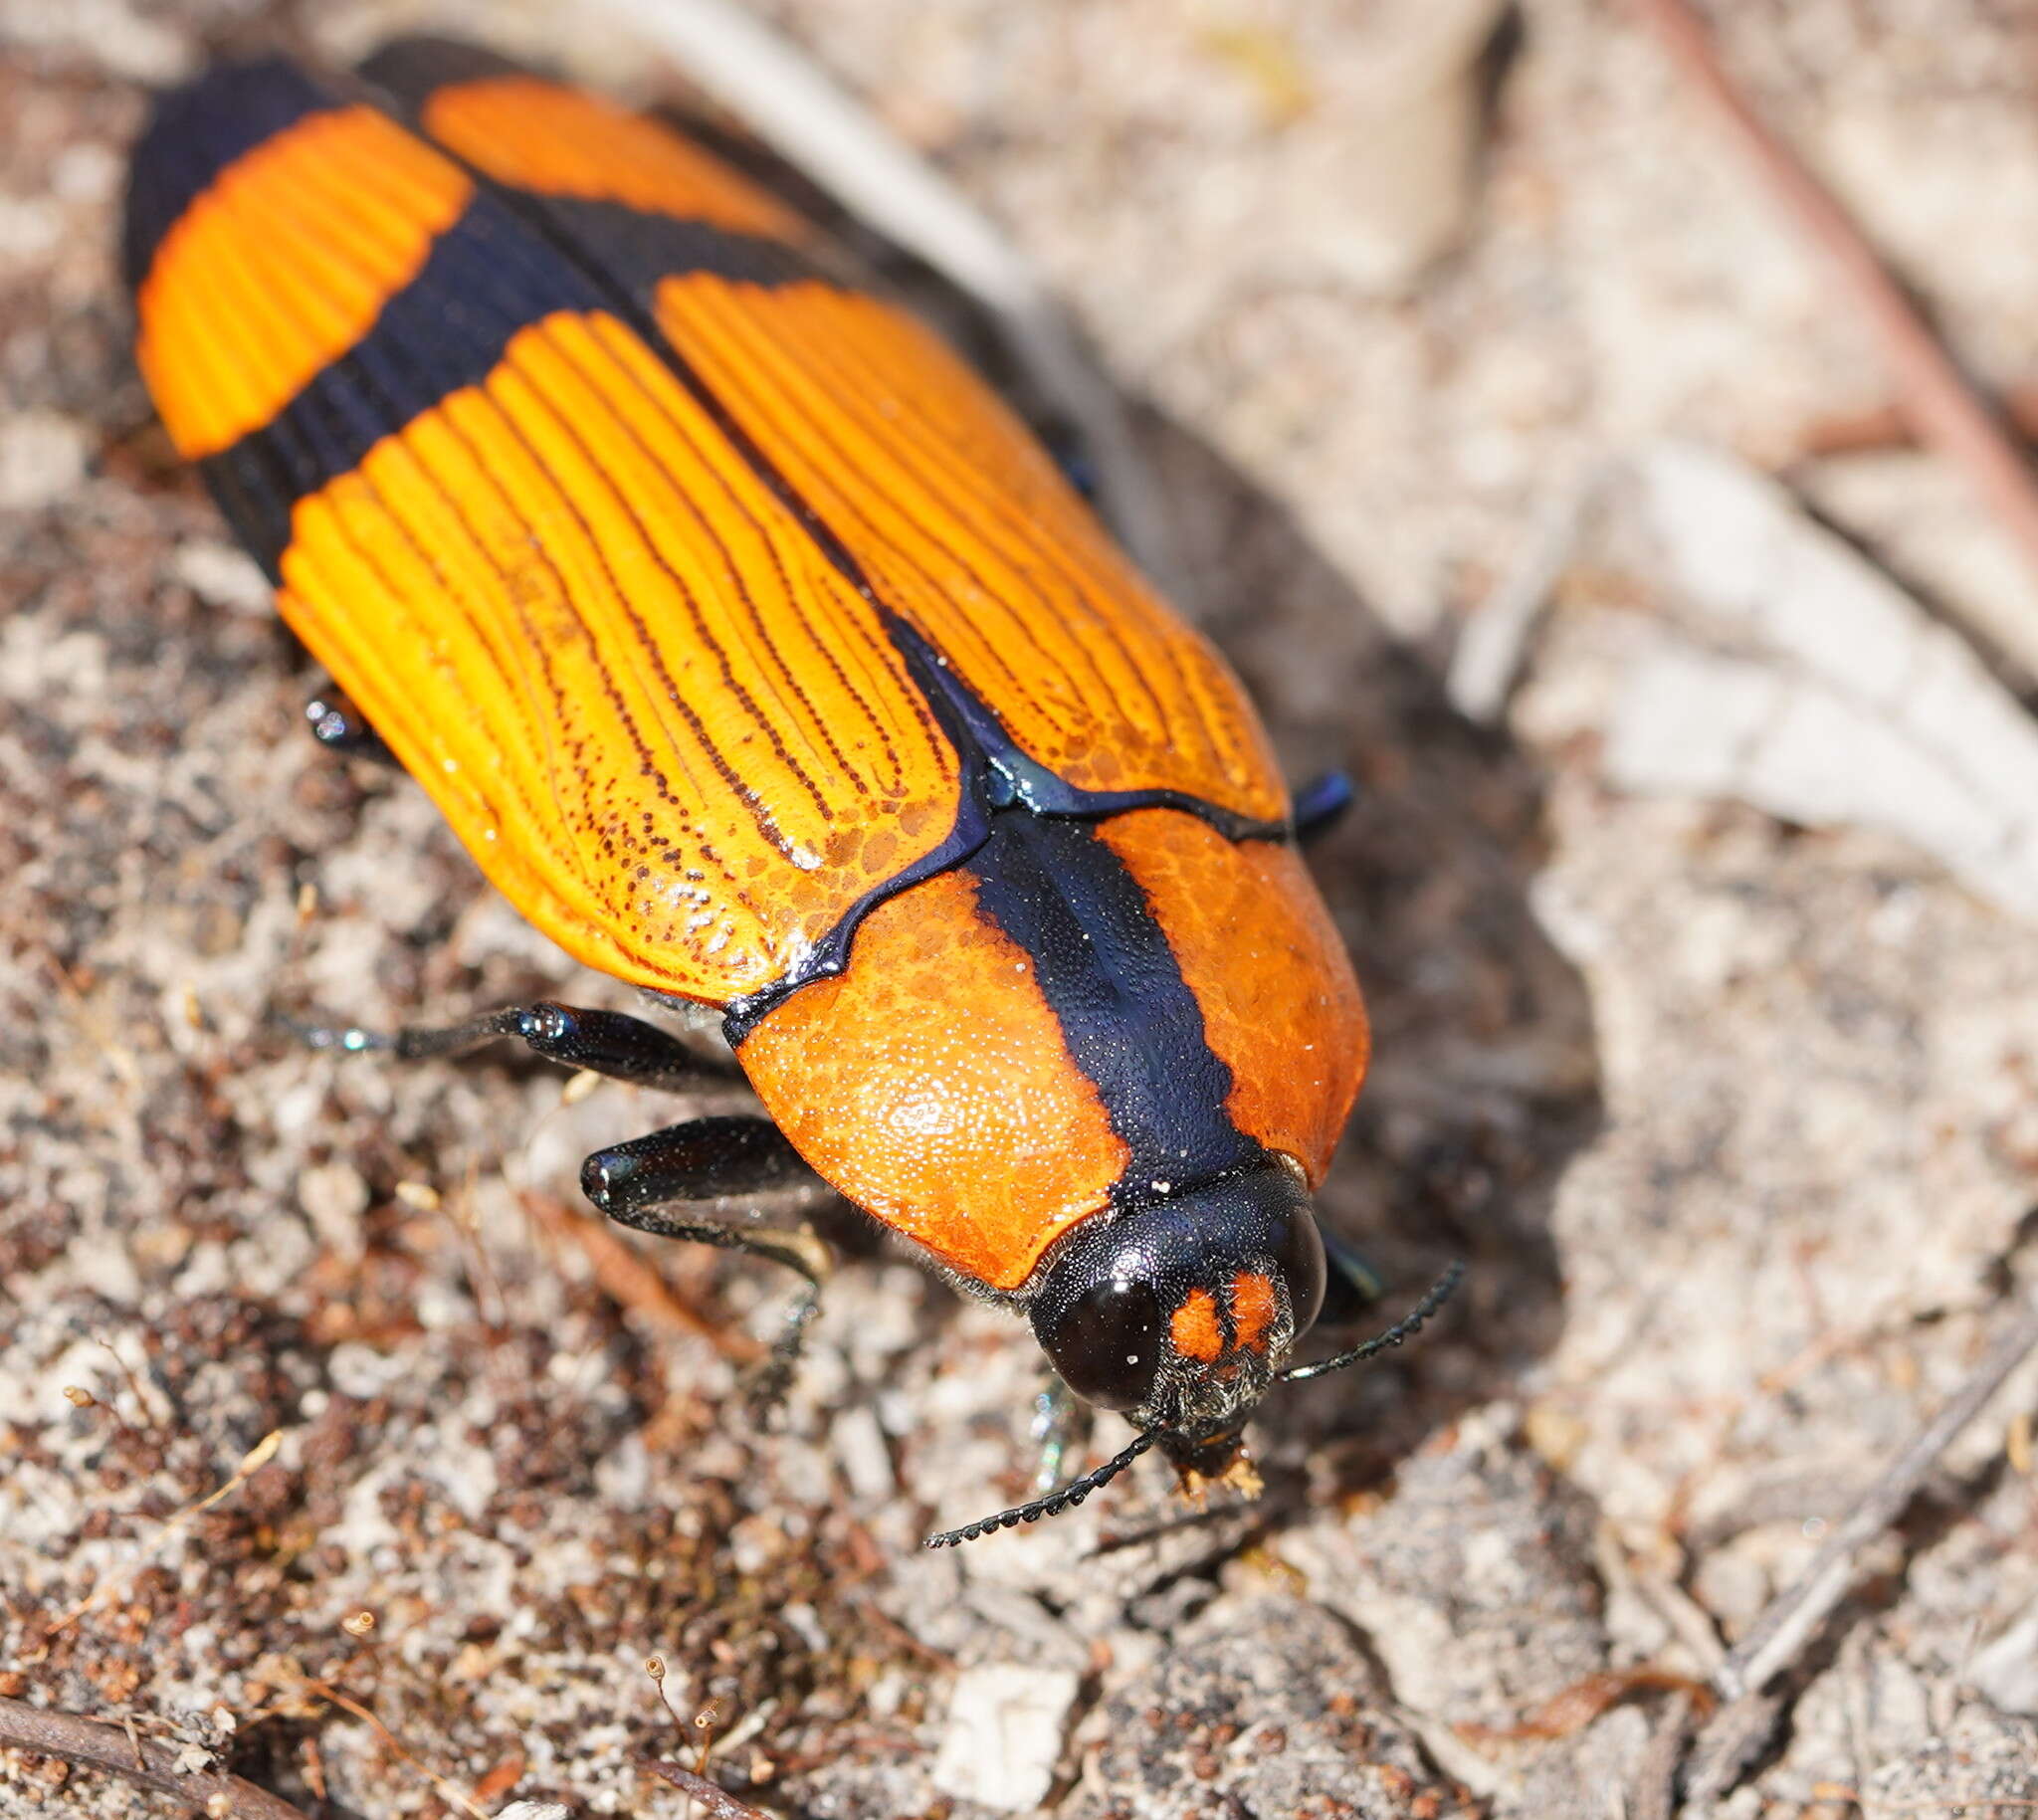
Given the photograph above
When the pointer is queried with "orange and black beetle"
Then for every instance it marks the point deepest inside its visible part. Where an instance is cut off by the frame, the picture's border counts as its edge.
(763, 660)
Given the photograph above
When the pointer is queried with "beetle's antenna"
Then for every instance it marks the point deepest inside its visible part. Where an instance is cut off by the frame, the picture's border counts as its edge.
(1074, 1493)
(1055, 1503)
(1406, 1327)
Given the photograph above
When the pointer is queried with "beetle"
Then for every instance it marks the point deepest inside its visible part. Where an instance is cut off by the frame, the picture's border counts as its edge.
(763, 660)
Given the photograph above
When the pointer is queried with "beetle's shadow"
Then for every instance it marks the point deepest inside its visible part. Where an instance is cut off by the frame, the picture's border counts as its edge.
(1485, 1077)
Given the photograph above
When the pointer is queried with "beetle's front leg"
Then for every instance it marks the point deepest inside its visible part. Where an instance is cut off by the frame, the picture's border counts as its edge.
(340, 726)
(645, 1184)
(1351, 1285)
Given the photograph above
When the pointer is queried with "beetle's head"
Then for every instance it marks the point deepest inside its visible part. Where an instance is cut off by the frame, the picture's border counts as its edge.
(1180, 1311)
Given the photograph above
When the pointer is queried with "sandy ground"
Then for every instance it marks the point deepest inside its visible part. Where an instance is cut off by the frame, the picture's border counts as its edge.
(1735, 1120)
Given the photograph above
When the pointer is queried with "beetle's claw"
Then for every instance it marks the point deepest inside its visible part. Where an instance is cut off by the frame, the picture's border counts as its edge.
(1239, 1474)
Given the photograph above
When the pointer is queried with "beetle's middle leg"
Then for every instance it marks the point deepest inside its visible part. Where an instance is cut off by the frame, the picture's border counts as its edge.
(610, 1043)
(645, 1184)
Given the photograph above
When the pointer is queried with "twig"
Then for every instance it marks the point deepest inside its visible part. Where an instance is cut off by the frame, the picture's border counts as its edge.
(1883, 428)
(1731, 1740)
(1945, 1804)
(141, 1402)
(1493, 644)
(1650, 1581)
(1578, 1706)
(1773, 1643)
(720, 1804)
(1653, 1793)
(107, 1747)
(794, 107)
(1932, 392)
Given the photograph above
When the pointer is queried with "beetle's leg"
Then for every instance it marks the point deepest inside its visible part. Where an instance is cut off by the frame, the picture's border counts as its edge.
(638, 1183)
(608, 1043)
(1351, 1286)
(338, 725)
(1320, 805)
(1056, 1412)
(1078, 465)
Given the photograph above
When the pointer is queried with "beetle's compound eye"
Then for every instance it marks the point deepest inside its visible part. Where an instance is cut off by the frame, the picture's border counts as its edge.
(1298, 1257)
(1106, 1343)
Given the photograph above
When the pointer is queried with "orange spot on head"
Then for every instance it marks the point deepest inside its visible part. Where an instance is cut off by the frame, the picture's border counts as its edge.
(1194, 1328)
(1252, 1309)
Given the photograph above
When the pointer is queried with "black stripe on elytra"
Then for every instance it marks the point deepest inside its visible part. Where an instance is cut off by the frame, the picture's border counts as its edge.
(408, 70)
(444, 331)
(195, 134)
(999, 785)
(638, 246)
(1016, 778)
(643, 246)
(973, 828)
(1131, 1022)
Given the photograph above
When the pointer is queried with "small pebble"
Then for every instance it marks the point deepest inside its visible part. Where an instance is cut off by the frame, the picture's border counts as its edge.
(41, 458)
(1004, 1735)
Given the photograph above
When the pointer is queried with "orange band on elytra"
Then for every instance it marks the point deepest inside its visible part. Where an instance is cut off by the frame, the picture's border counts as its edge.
(298, 244)
(1281, 1008)
(559, 141)
(966, 530)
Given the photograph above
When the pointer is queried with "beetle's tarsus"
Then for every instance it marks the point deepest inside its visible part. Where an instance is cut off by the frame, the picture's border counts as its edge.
(338, 725)
(1321, 804)
(609, 1042)
(764, 1387)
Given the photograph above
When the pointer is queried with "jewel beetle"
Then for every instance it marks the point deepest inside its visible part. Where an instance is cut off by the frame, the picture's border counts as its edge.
(763, 660)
